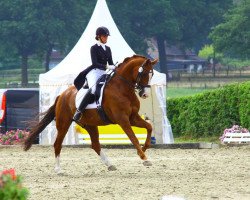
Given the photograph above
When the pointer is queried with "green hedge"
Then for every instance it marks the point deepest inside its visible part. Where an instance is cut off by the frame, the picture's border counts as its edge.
(209, 113)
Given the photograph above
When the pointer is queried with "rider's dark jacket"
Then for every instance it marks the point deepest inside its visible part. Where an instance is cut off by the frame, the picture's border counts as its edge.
(100, 58)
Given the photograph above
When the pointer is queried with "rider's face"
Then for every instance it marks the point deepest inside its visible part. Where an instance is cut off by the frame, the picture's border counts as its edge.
(104, 39)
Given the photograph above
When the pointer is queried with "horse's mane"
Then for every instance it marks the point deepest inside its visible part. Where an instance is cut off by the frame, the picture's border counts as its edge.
(129, 58)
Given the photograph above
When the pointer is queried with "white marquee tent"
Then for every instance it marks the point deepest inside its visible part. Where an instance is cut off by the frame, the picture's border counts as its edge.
(55, 81)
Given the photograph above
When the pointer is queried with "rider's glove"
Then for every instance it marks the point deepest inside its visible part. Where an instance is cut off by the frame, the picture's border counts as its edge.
(112, 67)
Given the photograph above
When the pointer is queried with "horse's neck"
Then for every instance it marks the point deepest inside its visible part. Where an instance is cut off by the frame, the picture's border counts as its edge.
(127, 70)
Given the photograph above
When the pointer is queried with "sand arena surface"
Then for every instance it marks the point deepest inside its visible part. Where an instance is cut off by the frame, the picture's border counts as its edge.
(222, 173)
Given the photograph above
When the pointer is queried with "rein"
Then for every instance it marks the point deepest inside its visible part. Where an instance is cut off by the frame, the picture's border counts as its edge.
(126, 81)
(137, 84)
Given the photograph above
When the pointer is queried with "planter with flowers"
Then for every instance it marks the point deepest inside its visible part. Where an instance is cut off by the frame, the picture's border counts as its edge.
(11, 186)
(13, 137)
(236, 134)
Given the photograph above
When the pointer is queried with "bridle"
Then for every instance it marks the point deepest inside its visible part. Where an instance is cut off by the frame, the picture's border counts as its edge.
(140, 75)
(137, 85)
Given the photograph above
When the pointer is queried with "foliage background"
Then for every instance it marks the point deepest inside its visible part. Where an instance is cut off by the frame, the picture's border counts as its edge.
(32, 28)
(209, 113)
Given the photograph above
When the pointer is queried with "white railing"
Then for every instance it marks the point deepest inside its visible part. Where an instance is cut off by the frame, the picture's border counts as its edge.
(240, 138)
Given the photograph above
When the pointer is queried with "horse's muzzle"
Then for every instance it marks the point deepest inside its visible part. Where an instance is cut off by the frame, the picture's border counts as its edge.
(144, 92)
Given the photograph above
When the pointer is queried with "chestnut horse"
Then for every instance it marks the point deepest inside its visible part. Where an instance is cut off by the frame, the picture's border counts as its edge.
(120, 104)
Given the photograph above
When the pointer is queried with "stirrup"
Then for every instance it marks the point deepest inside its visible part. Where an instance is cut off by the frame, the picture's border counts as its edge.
(85, 85)
(77, 115)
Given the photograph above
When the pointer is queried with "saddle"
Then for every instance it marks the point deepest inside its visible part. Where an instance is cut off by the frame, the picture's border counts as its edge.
(100, 85)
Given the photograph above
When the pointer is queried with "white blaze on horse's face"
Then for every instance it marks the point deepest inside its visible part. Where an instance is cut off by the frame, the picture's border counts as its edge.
(144, 93)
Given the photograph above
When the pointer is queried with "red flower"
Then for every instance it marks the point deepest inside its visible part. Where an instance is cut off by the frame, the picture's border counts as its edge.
(10, 172)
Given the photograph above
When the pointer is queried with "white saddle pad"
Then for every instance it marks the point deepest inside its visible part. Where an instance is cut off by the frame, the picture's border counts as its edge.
(81, 93)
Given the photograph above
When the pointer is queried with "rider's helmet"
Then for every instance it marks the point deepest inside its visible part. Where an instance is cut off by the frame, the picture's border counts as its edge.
(101, 31)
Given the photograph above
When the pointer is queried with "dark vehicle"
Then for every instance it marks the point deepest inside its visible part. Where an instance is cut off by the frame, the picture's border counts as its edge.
(17, 108)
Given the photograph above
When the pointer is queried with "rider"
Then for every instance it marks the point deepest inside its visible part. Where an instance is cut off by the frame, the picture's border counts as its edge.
(101, 57)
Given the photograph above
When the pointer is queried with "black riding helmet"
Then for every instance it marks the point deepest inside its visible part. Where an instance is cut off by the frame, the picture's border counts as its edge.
(102, 31)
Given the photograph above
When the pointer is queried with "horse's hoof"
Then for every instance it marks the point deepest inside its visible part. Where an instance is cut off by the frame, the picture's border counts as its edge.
(112, 168)
(58, 170)
(147, 163)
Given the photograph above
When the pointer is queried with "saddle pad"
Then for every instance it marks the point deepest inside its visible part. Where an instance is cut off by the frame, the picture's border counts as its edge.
(81, 93)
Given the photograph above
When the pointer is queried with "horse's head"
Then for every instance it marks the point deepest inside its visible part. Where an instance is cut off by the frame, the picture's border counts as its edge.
(143, 78)
(137, 72)
(143, 75)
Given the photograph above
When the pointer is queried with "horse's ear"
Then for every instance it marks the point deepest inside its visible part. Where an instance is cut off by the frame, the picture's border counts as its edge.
(154, 61)
(147, 61)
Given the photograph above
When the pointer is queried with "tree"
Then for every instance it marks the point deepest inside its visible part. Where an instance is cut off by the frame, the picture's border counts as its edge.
(122, 13)
(206, 52)
(62, 23)
(37, 26)
(8, 58)
(18, 30)
(196, 18)
(146, 19)
(232, 37)
(184, 23)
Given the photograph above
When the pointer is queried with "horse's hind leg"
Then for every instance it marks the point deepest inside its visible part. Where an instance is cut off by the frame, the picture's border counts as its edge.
(62, 125)
(95, 144)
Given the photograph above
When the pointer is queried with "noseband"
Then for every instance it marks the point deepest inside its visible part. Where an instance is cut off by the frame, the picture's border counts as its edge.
(141, 72)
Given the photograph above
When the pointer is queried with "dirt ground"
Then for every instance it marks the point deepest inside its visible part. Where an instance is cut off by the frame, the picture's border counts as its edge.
(222, 173)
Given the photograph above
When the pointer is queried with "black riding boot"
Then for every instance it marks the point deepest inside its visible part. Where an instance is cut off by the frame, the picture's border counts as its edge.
(88, 98)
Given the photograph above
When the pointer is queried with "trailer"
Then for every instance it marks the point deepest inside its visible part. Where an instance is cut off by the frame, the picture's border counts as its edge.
(18, 107)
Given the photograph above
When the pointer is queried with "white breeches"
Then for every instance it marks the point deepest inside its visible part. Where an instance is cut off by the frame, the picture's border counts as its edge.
(92, 77)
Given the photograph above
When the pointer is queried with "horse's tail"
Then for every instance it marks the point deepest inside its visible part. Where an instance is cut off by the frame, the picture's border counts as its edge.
(49, 115)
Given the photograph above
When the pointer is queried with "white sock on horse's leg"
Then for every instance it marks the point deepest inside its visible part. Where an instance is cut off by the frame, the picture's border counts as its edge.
(57, 166)
(105, 159)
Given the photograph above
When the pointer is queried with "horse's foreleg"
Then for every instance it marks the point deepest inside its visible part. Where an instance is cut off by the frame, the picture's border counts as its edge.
(139, 122)
(126, 126)
(95, 144)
